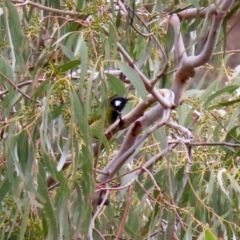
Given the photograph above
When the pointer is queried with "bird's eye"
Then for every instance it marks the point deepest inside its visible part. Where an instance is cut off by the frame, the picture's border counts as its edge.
(117, 103)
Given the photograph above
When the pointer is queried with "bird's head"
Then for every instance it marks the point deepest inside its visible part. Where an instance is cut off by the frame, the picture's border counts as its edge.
(118, 103)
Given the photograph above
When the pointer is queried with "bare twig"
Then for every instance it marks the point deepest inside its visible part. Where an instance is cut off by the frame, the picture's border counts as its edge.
(215, 144)
(191, 13)
(40, 6)
(153, 36)
(14, 86)
(125, 214)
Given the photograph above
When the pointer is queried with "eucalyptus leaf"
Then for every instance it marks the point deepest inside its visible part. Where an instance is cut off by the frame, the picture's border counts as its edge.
(134, 78)
(116, 85)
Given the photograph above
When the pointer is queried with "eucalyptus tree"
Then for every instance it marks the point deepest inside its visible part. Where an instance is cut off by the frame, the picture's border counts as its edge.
(166, 169)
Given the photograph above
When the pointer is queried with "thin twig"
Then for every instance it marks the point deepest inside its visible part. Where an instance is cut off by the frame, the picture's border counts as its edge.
(153, 36)
(40, 6)
(125, 214)
(14, 86)
(215, 144)
(22, 84)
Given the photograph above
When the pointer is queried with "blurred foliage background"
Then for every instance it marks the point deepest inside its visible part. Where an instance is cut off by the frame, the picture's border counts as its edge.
(59, 64)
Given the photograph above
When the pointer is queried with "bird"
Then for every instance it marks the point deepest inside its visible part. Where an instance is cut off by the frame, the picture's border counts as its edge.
(113, 112)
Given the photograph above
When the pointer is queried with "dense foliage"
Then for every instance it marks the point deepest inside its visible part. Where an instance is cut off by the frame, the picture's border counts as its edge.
(167, 172)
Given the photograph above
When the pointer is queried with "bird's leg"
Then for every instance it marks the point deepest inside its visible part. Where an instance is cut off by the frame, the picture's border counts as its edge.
(121, 122)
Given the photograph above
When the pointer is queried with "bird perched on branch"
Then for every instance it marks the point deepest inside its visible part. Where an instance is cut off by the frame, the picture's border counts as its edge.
(113, 112)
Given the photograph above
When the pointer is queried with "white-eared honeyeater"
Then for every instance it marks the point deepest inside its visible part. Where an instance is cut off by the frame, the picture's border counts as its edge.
(113, 111)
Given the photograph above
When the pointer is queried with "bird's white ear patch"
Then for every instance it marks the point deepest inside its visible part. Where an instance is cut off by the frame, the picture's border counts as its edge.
(117, 103)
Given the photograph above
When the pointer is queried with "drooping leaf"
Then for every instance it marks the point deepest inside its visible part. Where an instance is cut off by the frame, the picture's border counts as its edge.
(116, 85)
(68, 66)
(134, 78)
(228, 89)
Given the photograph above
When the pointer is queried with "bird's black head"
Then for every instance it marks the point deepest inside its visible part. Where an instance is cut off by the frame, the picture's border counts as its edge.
(117, 104)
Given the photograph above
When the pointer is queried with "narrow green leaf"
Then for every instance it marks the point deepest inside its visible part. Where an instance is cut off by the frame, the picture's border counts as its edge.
(67, 52)
(57, 111)
(84, 62)
(89, 88)
(171, 224)
(228, 89)
(161, 137)
(24, 218)
(68, 65)
(118, 19)
(22, 149)
(116, 85)
(170, 39)
(224, 104)
(222, 183)
(62, 207)
(112, 41)
(42, 89)
(134, 78)
(80, 116)
(48, 208)
(4, 189)
(209, 235)
(62, 37)
(80, 5)
(64, 155)
(6, 69)
(17, 36)
(102, 138)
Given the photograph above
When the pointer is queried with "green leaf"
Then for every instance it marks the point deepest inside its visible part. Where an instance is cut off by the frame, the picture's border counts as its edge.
(62, 208)
(134, 78)
(64, 155)
(222, 182)
(4, 189)
(42, 89)
(80, 4)
(23, 149)
(6, 69)
(57, 111)
(228, 89)
(67, 52)
(67, 66)
(17, 36)
(160, 137)
(102, 138)
(224, 104)
(170, 39)
(209, 235)
(118, 19)
(24, 218)
(49, 212)
(80, 117)
(116, 85)
(84, 62)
